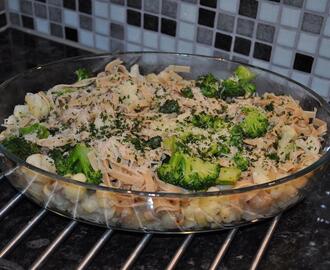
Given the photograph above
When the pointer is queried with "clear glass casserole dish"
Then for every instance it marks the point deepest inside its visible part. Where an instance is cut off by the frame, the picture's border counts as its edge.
(192, 211)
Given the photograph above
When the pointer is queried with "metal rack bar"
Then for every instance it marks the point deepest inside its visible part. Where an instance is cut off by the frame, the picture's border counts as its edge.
(13, 201)
(91, 254)
(223, 249)
(179, 252)
(8, 172)
(59, 239)
(23, 232)
(135, 254)
(265, 243)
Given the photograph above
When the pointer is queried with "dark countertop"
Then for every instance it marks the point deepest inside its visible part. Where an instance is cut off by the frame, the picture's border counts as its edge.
(301, 240)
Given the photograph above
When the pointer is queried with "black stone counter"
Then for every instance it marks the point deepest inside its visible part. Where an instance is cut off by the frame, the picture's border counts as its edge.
(301, 240)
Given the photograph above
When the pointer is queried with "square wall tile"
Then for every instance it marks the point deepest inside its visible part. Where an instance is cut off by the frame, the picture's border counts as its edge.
(268, 12)
(71, 33)
(223, 41)
(26, 7)
(228, 5)
(303, 62)
(27, 22)
(86, 38)
(325, 47)
(56, 30)
(40, 10)
(69, 4)
(168, 27)
(280, 70)
(55, 14)
(133, 17)
(101, 9)
(260, 63)
(312, 23)
(116, 30)
(102, 42)
(151, 22)
(286, 37)
(152, 6)
(42, 26)
(169, 8)
(118, 13)
(86, 22)
(188, 12)
(282, 56)
(13, 5)
(245, 27)
(186, 31)
(184, 47)
(131, 47)
(322, 67)
(248, 8)
(204, 36)
(101, 26)
(206, 17)
(327, 27)
(321, 86)
(262, 51)
(226, 22)
(134, 34)
(307, 42)
(290, 17)
(303, 78)
(70, 17)
(167, 44)
(265, 32)
(134, 4)
(203, 50)
(14, 18)
(150, 39)
(242, 45)
(319, 5)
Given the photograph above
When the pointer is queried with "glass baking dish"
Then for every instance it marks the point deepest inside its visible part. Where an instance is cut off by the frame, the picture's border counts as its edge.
(142, 211)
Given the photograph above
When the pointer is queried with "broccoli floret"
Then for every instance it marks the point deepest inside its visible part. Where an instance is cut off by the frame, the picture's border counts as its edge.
(41, 131)
(236, 136)
(82, 73)
(243, 73)
(204, 120)
(170, 106)
(255, 123)
(209, 85)
(241, 162)
(231, 88)
(76, 162)
(249, 88)
(216, 150)
(189, 172)
(228, 176)
(187, 92)
(240, 85)
(20, 147)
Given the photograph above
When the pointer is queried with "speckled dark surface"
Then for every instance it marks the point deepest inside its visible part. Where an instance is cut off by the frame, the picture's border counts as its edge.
(301, 240)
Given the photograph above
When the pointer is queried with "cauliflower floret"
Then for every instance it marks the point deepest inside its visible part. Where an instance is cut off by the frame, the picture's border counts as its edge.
(21, 111)
(38, 104)
(74, 192)
(42, 161)
(286, 144)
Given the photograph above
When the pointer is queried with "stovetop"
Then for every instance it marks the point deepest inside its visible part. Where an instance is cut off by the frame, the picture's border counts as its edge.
(300, 241)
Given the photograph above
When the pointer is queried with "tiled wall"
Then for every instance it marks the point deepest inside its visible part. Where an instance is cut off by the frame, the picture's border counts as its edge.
(291, 37)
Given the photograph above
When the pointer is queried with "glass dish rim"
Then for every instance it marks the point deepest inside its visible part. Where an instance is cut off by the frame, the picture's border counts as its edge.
(22, 163)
